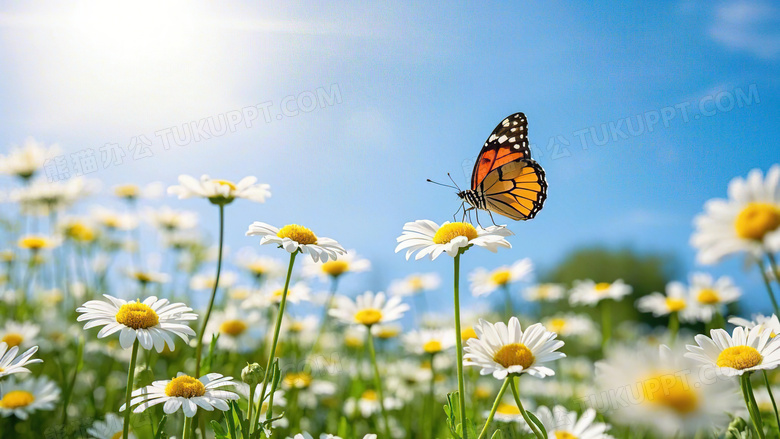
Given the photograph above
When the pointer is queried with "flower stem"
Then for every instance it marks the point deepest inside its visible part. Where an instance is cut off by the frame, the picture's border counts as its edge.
(750, 403)
(129, 391)
(606, 323)
(249, 423)
(772, 398)
(508, 299)
(199, 349)
(267, 374)
(768, 283)
(528, 421)
(495, 407)
(674, 325)
(459, 347)
(187, 432)
(432, 397)
(378, 382)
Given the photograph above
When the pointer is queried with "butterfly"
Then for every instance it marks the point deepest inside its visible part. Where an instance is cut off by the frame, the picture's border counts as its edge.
(505, 179)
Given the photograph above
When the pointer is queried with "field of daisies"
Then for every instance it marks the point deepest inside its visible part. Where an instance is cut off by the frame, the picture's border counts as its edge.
(273, 347)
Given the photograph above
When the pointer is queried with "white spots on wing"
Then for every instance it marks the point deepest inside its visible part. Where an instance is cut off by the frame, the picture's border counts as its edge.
(484, 145)
(517, 146)
(492, 137)
(512, 139)
(522, 136)
(502, 139)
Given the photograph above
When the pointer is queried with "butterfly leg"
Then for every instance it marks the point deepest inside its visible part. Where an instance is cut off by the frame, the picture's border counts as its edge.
(465, 212)
(491, 218)
(454, 215)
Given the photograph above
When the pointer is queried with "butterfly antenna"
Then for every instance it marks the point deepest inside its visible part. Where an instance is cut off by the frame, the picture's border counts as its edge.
(453, 182)
(442, 184)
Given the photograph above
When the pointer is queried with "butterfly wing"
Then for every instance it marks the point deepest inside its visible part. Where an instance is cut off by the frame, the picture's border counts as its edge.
(508, 142)
(516, 189)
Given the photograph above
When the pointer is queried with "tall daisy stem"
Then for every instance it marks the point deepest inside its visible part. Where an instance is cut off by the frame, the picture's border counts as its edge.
(674, 325)
(432, 398)
(187, 432)
(459, 348)
(772, 398)
(199, 348)
(378, 382)
(519, 403)
(606, 323)
(495, 407)
(267, 373)
(129, 391)
(508, 299)
(750, 403)
(763, 268)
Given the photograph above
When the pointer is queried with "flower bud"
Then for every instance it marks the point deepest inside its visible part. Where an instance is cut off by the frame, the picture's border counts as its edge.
(252, 374)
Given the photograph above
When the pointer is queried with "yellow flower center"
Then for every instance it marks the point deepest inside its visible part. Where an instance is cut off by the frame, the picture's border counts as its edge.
(557, 324)
(117, 435)
(127, 191)
(602, 287)
(239, 293)
(515, 354)
(7, 256)
(13, 339)
(675, 305)
(335, 268)
(708, 296)
(370, 395)
(671, 391)
(257, 268)
(142, 277)
(559, 434)
(368, 316)
(233, 328)
(416, 283)
(297, 233)
(501, 277)
(432, 346)
(297, 380)
(16, 399)
(353, 342)
(468, 333)
(137, 315)
(387, 332)
(739, 357)
(185, 386)
(756, 220)
(227, 183)
(33, 242)
(80, 232)
(507, 409)
(448, 232)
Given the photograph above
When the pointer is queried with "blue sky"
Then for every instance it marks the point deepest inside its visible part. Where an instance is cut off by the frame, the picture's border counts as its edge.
(420, 87)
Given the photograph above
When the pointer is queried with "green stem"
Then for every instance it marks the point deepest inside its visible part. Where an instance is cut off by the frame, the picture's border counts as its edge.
(508, 299)
(277, 328)
(187, 432)
(674, 325)
(495, 407)
(378, 381)
(768, 283)
(68, 391)
(528, 421)
(772, 398)
(432, 398)
(129, 391)
(459, 347)
(199, 348)
(249, 424)
(606, 323)
(750, 402)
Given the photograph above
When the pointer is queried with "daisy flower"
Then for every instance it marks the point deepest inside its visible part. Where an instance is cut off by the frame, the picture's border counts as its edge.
(239, 330)
(271, 295)
(170, 220)
(42, 198)
(78, 230)
(186, 393)
(110, 428)
(21, 335)
(745, 350)
(24, 162)
(10, 364)
(570, 324)
(764, 322)
(132, 192)
(220, 191)
(36, 243)
(414, 284)
(368, 309)
(146, 277)
(368, 404)
(113, 220)
(502, 349)
(561, 423)
(484, 282)
(429, 341)
(711, 295)
(260, 267)
(587, 292)
(151, 322)
(544, 293)
(747, 222)
(293, 237)
(23, 398)
(386, 331)
(665, 391)
(206, 281)
(676, 300)
(429, 239)
(349, 262)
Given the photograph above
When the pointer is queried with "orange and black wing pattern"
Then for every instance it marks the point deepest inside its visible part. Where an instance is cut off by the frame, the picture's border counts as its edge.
(508, 142)
(516, 190)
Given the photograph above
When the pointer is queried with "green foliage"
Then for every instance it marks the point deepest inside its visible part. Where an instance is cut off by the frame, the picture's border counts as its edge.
(738, 429)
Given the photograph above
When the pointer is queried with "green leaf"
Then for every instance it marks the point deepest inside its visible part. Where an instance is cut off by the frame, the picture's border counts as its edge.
(219, 432)
(210, 357)
(160, 427)
(538, 423)
(229, 421)
(497, 435)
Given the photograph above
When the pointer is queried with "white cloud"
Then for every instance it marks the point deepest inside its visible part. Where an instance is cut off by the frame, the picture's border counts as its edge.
(748, 26)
